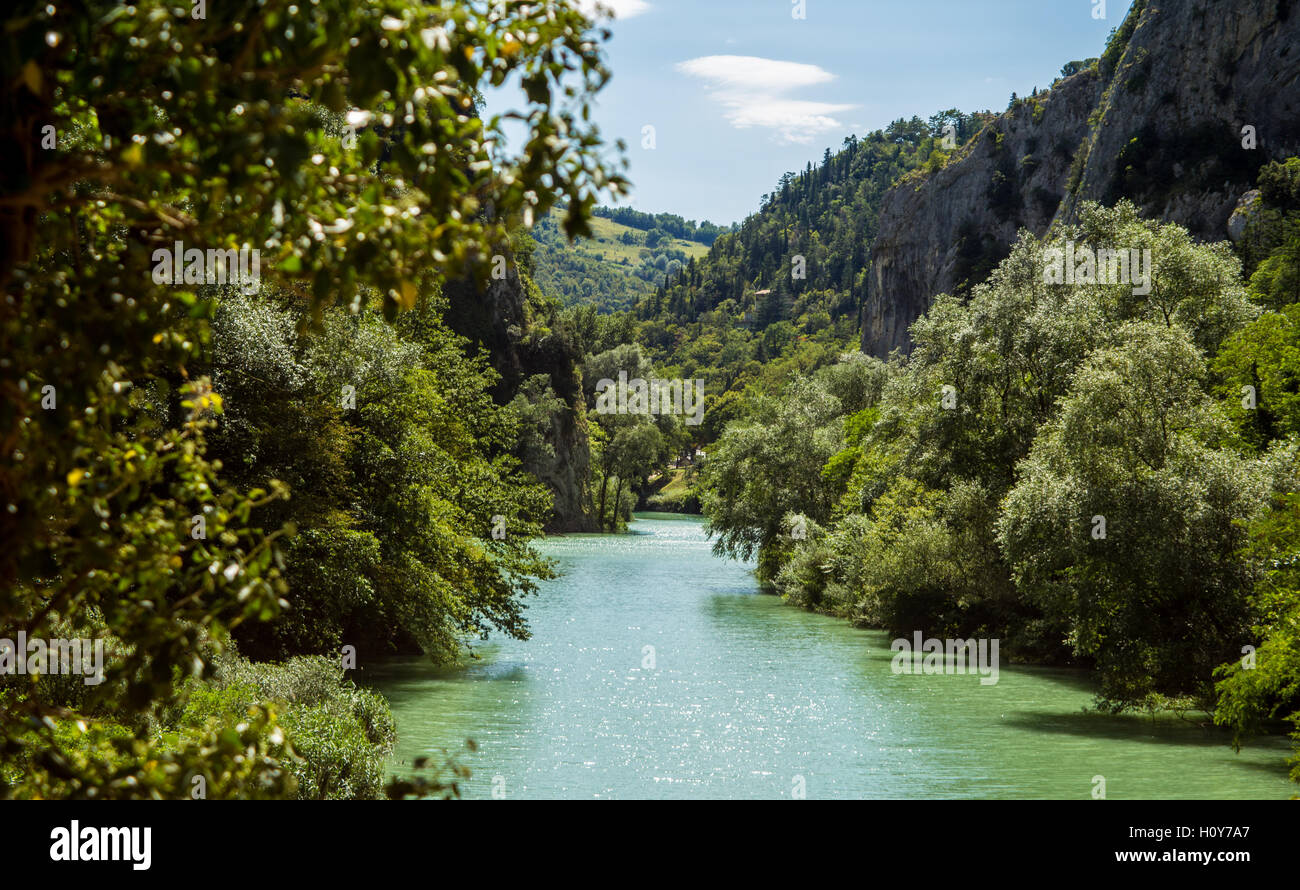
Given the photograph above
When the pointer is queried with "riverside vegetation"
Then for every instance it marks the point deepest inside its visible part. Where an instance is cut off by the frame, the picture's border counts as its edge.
(230, 488)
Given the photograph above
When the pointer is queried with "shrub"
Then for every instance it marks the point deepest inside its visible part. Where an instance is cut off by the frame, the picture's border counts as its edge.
(339, 735)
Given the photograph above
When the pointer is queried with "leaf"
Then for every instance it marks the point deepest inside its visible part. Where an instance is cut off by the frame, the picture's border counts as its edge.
(409, 294)
(32, 77)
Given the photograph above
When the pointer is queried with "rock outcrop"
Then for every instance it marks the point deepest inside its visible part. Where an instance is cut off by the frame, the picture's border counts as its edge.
(495, 315)
(951, 228)
(1161, 120)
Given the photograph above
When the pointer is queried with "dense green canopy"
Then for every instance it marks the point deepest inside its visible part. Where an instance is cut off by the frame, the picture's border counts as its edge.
(354, 470)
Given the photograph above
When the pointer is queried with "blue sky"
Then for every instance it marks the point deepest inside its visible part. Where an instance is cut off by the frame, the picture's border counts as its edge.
(739, 91)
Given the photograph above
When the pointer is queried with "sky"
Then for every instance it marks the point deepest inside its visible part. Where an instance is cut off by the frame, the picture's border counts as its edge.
(741, 91)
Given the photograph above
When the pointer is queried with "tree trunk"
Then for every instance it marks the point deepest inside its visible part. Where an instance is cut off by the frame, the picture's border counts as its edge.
(600, 514)
(618, 505)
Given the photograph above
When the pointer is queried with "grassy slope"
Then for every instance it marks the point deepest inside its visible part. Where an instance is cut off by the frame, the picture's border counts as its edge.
(560, 267)
(608, 247)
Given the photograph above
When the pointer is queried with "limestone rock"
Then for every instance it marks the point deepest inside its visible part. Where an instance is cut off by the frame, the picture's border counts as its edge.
(1241, 215)
(1166, 129)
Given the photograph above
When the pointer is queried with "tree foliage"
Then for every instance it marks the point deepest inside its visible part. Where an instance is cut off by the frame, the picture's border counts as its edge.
(343, 142)
(965, 498)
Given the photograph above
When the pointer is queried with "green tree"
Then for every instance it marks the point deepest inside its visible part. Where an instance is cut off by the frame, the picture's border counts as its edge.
(766, 471)
(225, 132)
(1259, 377)
(1264, 684)
(1125, 520)
(403, 484)
(1271, 242)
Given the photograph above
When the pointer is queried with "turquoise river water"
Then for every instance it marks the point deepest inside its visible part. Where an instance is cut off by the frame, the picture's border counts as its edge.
(742, 696)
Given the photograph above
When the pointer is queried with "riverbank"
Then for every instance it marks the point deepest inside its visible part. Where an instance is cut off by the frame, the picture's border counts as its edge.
(672, 491)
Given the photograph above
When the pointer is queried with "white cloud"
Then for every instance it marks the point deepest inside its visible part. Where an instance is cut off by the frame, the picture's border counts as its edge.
(621, 9)
(754, 91)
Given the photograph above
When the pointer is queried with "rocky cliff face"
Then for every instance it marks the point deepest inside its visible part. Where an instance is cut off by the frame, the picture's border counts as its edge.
(951, 228)
(1159, 121)
(567, 470)
(496, 316)
(1169, 131)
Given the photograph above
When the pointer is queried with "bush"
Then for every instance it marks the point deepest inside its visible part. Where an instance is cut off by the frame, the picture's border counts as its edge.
(340, 735)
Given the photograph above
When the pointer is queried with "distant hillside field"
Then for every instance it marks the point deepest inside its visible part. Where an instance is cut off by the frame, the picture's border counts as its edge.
(612, 270)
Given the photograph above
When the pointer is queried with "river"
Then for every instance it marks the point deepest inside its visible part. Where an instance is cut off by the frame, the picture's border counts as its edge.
(742, 696)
